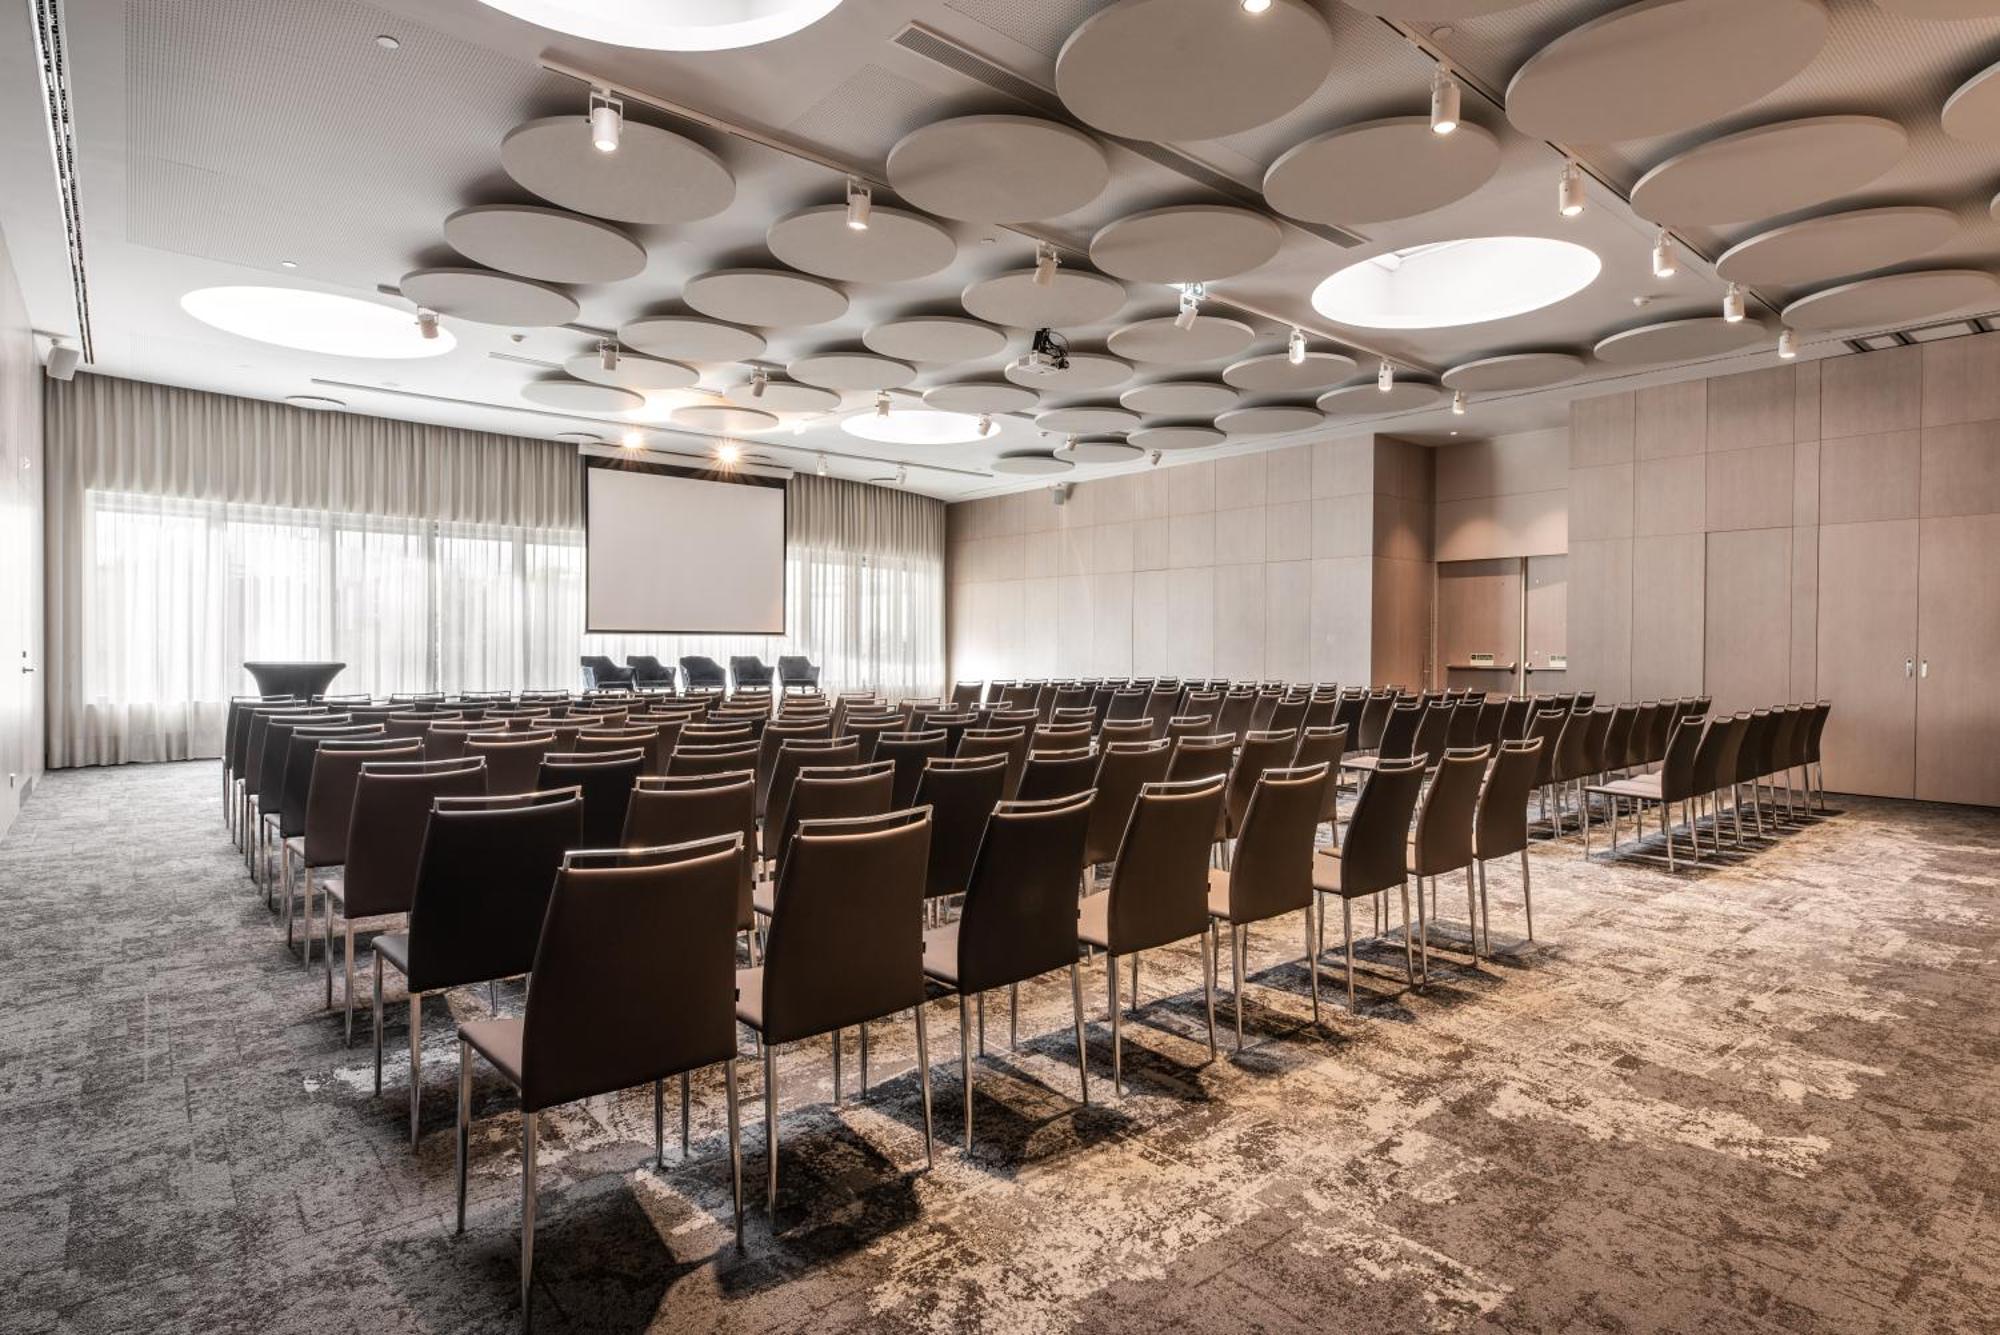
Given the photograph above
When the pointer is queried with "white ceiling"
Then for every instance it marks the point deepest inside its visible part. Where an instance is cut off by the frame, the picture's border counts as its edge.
(220, 139)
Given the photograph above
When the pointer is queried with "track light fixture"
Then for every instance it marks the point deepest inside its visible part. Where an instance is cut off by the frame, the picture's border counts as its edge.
(607, 354)
(1191, 296)
(902, 475)
(427, 322)
(726, 453)
(1295, 348)
(1153, 460)
(821, 467)
(1458, 403)
(1385, 378)
(986, 424)
(607, 120)
(1046, 261)
(1255, 6)
(633, 439)
(1788, 343)
(860, 199)
(758, 379)
(1569, 194)
(1664, 264)
(1444, 101)
(882, 403)
(1732, 304)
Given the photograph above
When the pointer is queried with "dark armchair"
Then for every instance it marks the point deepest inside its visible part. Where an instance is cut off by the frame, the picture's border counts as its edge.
(599, 671)
(750, 672)
(649, 673)
(699, 673)
(797, 672)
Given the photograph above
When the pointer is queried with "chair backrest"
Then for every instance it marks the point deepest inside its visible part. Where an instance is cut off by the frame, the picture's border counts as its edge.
(1433, 731)
(446, 740)
(1500, 827)
(1019, 917)
(844, 944)
(1271, 870)
(775, 735)
(300, 749)
(1054, 774)
(1159, 881)
(1260, 751)
(1713, 759)
(1061, 736)
(699, 671)
(1374, 718)
(910, 751)
(1817, 729)
(1464, 728)
(966, 695)
(1239, 703)
(794, 754)
(1546, 725)
(678, 809)
(336, 769)
(267, 772)
(1011, 742)
(605, 781)
(1677, 769)
(1374, 849)
(1324, 746)
(718, 758)
(708, 732)
(483, 883)
(385, 833)
(1515, 715)
(1198, 757)
(1581, 743)
(1617, 738)
(1776, 754)
(961, 794)
(513, 759)
(1398, 739)
(867, 730)
(1128, 730)
(1665, 716)
(657, 740)
(1163, 701)
(1125, 705)
(1287, 714)
(1123, 769)
(749, 670)
(832, 792)
(1442, 841)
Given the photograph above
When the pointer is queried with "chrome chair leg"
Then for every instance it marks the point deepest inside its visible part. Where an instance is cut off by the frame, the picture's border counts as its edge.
(1527, 897)
(1312, 965)
(685, 1116)
(1111, 986)
(1207, 992)
(1014, 1017)
(864, 1063)
(1236, 952)
(924, 1079)
(735, 1149)
(660, 1125)
(1409, 944)
(836, 1068)
(464, 1121)
(529, 1128)
(965, 1062)
(1347, 947)
(1076, 1003)
(771, 1129)
(416, 1064)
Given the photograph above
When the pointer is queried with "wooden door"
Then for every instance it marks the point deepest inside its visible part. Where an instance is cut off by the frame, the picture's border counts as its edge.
(1958, 660)
(1867, 655)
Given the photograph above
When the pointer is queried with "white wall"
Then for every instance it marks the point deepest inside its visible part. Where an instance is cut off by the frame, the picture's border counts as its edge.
(21, 725)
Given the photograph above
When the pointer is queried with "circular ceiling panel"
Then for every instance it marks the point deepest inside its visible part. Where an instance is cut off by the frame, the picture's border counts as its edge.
(1100, 452)
(671, 25)
(935, 338)
(318, 403)
(895, 247)
(1276, 373)
(1209, 339)
(1893, 299)
(851, 371)
(632, 372)
(919, 426)
(1943, 9)
(323, 322)
(981, 396)
(580, 396)
(1662, 66)
(1180, 398)
(1087, 372)
(1001, 169)
(1030, 465)
(539, 242)
(1270, 420)
(1446, 284)
(1402, 396)
(1071, 299)
(769, 298)
(654, 177)
(1973, 112)
(1176, 436)
(1178, 70)
(1769, 169)
(1188, 243)
(1087, 420)
(1520, 370)
(485, 297)
(1437, 11)
(782, 396)
(691, 338)
(730, 421)
(1679, 341)
(1837, 244)
(1380, 171)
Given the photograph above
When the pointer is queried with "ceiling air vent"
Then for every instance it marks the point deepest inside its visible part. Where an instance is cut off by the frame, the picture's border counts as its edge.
(1929, 333)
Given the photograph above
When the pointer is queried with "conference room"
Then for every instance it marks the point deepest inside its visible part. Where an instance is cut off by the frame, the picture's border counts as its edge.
(999, 665)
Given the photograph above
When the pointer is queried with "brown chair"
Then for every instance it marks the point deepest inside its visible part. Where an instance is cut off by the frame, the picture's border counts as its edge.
(513, 759)
(1500, 827)
(1163, 702)
(1375, 711)
(1127, 730)
(1124, 769)
(775, 736)
(656, 740)
(1011, 742)
(1260, 751)
(716, 734)
(482, 890)
(682, 809)
(640, 935)
(1672, 782)
(1288, 714)
(827, 792)
(793, 754)
(692, 758)
(1158, 893)
(1052, 774)
(1201, 758)
(334, 769)
(866, 729)
(841, 949)
(966, 695)
(1061, 736)
(1018, 921)
(605, 780)
(1324, 746)
(961, 794)
(1191, 725)
(1271, 870)
(1396, 740)
(285, 814)
(1441, 843)
(1372, 856)
(446, 741)
(910, 752)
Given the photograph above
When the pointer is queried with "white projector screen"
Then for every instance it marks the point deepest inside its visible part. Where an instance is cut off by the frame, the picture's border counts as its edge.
(672, 553)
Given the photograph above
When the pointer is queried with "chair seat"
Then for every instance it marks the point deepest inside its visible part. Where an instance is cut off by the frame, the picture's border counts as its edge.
(394, 948)
(1645, 785)
(764, 897)
(750, 996)
(1218, 894)
(1093, 921)
(499, 1041)
(1366, 763)
(941, 954)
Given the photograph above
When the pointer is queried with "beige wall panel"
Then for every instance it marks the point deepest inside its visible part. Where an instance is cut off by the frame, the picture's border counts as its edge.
(1343, 467)
(1402, 528)
(1503, 466)
(1288, 475)
(1867, 632)
(1288, 620)
(1668, 584)
(1191, 541)
(1805, 483)
(1152, 494)
(1600, 617)
(1111, 549)
(1755, 408)
(1288, 531)
(1958, 644)
(1870, 393)
(1040, 554)
(1111, 625)
(1748, 609)
(1548, 609)
(1530, 523)
(1600, 503)
(1669, 420)
(1239, 535)
(1239, 621)
(1478, 611)
(1805, 614)
(1039, 632)
(1805, 402)
(1401, 629)
(1239, 481)
(1960, 471)
(1600, 431)
(1668, 495)
(1191, 609)
(1190, 488)
(1342, 591)
(1962, 380)
(1750, 488)
(1343, 526)
(1116, 499)
(1152, 548)
(1074, 548)
(1152, 623)
(1864, 478)
(1076, 630)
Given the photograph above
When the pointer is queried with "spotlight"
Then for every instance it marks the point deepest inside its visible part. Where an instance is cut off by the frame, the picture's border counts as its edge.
(727, 454)
(902, 475)
(882, 403)
(607, 354)
(1046, 261)
(821, 467)
(758, 379)
(1153, 460)
(860, 199)
(633, 439)
(1663, 255)
(986, 427)
(1569, 195)
(1191, 295)
(1444, 101)
(1788, 343)
(1732, 304)
(1458, 403)
(1385, 379)
(607, 120)
(427, 323)
(1295, 348)
(1255, 6)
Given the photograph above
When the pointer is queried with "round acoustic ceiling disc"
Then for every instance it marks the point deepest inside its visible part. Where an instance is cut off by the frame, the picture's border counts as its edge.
(632, 372)
(1176, 436)
(1768, 170)
(1180, 398)
(1086, 420)
(654, 177)
(1100, 452)
(1000, 169)
(1662, 66)
(1209, 339)
(981, 396)
(770, 298)
(851, 371)
(1893, 299)
(1276, 373)
(1943, 9)
(1380, 171)
(1519, 370)
(1087, 371)
(1187, 243)
(1437, 11)
(578, 437)
(1270, 420)
(1072, 299)
(485, 297)
(1177, 70)
(1368, 398)
(1973, 112)
(1679, 341)
(724, 418)
(1837, 244)
(691, 338)
(895, 246)
(580, 396)
(539, 242)
(318, 403)
(935, 338)
(782, 396)
(1031, 465)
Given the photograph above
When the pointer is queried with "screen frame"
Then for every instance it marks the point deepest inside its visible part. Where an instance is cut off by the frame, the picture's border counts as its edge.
(591, 461)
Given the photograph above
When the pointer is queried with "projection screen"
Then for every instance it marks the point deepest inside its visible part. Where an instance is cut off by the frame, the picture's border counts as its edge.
(678, 553)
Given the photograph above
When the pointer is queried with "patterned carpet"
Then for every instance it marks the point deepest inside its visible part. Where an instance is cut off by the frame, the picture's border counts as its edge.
(1761, 1096)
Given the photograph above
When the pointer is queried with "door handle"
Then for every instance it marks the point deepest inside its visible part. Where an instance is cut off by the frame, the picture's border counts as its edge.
(26, 670)
(1924, 668)
(1909, 667)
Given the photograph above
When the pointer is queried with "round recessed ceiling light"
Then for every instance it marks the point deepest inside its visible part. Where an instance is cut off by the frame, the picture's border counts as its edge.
(671, 25)
(324, 322)
(578, 437)
(1452, 283)
(316, 402)
(918, 426)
